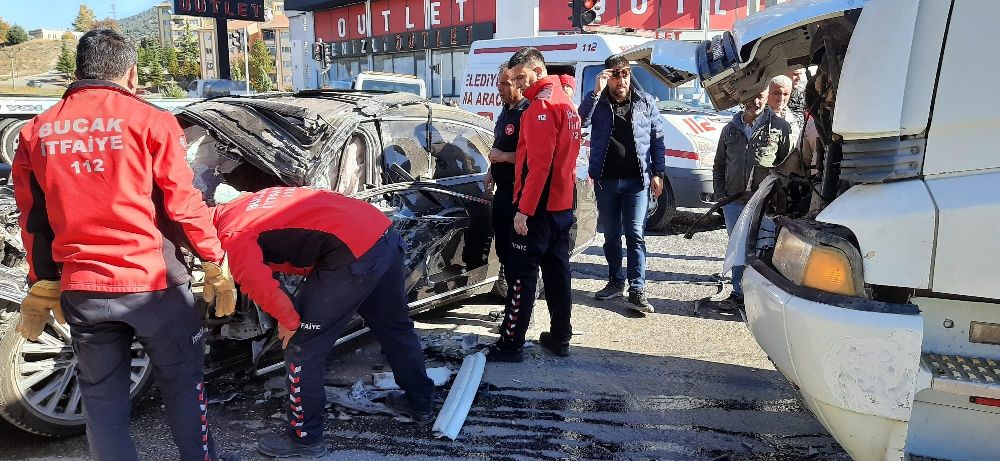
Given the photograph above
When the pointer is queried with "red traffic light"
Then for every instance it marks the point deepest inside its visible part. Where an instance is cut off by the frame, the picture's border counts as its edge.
(588, 4)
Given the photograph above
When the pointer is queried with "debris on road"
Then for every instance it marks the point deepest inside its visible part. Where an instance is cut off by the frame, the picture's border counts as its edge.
(459, 401)
(360, 399)
(386, 380)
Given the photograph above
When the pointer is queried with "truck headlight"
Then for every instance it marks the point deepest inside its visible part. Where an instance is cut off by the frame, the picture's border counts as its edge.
(809, 257)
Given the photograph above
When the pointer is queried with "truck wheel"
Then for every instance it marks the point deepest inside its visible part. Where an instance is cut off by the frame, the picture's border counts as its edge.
(39, 391)
(9, 130)
(500, 288)
(664, 212)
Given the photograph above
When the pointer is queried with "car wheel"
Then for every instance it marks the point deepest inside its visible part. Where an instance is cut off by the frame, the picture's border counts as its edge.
(500, 288)
(9, 130)
(663, 211)
(39, 388)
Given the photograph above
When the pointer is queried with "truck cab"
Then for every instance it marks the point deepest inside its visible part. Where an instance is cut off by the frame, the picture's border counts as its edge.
(870, 276)
(691, 125)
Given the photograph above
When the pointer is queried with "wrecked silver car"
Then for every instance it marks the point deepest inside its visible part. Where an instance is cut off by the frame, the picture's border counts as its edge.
(420, 162)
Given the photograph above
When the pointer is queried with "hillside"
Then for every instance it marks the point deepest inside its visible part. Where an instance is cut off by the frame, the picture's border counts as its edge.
(32, 57)
(139, 26)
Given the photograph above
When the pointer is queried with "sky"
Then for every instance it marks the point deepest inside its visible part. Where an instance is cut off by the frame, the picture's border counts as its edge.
(59, 14)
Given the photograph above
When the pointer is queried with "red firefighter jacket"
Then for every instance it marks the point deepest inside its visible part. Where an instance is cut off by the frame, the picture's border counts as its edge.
(547, 150)
(293, 231)
(106, 196)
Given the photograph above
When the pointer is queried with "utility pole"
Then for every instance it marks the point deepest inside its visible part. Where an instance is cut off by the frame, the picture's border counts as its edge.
(246, 58)
(222, 48)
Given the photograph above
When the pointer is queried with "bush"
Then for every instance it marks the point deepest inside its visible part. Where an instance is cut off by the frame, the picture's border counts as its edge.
(172, 90)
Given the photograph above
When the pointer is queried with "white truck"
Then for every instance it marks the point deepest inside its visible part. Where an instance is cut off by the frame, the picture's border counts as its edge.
(877, 294)
(15, 111)
(691, 127)
(383, 81)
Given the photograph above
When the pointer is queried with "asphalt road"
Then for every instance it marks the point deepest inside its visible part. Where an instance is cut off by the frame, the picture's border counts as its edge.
(679, 384)
(52, 80)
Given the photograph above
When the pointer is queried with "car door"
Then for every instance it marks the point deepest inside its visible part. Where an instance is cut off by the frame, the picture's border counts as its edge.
(454, 240)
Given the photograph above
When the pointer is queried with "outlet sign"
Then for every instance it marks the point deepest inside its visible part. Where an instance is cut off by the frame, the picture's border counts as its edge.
(244, 10)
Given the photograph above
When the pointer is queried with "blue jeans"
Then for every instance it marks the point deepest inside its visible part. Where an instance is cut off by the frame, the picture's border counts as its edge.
(731, 213)
(621, 206)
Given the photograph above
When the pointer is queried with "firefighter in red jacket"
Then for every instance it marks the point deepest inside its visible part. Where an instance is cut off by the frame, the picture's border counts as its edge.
(544, 183)
(353, 263)
(106, 199)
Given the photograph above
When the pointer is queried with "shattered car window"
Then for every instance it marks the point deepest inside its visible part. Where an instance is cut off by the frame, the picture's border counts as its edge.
(457, 150)
(407, 146)
(348, 174)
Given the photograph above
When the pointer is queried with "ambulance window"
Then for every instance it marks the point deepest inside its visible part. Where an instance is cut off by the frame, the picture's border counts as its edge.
(646, 81)
(560, 69)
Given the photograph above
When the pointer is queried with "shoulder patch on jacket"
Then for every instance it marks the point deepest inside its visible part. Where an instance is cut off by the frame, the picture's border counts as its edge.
(542, 117)
(546, 93)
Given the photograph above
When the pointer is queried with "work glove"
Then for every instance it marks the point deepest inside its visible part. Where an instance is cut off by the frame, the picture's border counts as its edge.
(219, 287)
(43, 297)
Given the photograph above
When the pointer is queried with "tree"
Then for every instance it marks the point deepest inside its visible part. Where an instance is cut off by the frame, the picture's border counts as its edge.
(261, 67)
(107, 23)
(150, 68)
(85, 19)
(16, 35)
(189, 59)
(67, 60)
(236, 66)
(4, 28)
(68, 36)
(168, 58)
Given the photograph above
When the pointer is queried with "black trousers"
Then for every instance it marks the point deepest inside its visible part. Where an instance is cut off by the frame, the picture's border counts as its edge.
(372, 287)
(168, 327)
(503, 224)
(547, 245)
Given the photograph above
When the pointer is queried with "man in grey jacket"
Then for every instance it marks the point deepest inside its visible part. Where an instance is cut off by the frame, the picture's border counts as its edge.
(627, 163)
(751, 144)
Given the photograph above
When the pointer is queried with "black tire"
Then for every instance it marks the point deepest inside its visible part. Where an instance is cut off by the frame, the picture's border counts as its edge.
(500, 288)
(9, 130)
(34, 409)
(664, 212)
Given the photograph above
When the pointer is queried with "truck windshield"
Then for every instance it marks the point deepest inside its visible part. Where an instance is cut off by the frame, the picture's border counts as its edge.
(689, 97)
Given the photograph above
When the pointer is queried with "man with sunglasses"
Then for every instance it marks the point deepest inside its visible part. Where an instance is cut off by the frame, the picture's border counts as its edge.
(626, 162)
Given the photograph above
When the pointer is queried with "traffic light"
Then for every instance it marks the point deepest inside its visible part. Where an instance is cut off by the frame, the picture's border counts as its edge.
(319, 54)
(236, 41)
(583, 12)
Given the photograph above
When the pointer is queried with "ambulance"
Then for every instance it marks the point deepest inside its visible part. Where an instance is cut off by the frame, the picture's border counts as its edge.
(691, 126)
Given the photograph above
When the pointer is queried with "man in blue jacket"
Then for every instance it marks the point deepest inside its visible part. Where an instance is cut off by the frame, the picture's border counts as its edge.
(626, 161)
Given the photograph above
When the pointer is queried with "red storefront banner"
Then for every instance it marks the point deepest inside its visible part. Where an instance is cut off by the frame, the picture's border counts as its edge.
(553, 15)
(400, 16)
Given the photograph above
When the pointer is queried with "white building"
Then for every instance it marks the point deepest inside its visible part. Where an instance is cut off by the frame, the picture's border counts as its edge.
(52, 34)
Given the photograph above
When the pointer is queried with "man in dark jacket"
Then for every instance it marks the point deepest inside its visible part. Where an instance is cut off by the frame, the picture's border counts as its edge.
(751, 144)
(106, 202)
(626, 160)
(353, 261)
(544, 184)
(505, 135)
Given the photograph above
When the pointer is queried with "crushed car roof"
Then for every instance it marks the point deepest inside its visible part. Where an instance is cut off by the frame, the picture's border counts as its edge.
(289, 135)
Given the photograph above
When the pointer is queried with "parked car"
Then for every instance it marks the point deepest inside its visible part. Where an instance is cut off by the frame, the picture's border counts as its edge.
(213, 88)
(382, 81)
(420, 162)
(34, 83)
(871, 284)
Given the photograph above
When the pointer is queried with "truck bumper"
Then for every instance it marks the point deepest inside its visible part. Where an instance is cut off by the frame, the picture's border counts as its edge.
(857, 370)
(692, 188)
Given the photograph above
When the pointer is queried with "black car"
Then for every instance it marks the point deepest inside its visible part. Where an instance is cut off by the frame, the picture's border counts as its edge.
(421, 163)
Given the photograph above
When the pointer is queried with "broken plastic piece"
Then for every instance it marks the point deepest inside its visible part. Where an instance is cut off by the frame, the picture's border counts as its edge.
(387, 381)
(456, 407)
